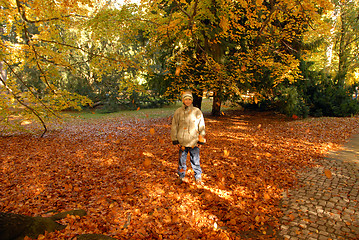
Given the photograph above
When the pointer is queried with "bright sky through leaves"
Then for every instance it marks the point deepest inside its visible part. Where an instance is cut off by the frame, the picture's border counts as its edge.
(122, 2)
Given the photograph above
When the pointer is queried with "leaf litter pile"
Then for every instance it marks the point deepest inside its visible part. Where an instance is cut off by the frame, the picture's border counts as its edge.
(122, 172)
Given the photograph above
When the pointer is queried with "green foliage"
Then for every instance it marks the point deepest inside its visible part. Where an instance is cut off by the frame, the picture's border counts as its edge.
(317, 95)
(289, 102)
(135, 99)
(328, 99)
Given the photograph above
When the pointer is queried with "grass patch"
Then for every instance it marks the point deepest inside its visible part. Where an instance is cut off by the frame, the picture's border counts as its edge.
(163, 112)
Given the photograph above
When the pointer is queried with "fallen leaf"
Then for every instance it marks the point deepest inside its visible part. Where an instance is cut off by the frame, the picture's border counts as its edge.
(155, 213)
(233, 221)
(167, 219)
(266, 196)
(225, 153)
(148, 154)
(328, 173)
(178, 70)
(78, 166)
(147, 162)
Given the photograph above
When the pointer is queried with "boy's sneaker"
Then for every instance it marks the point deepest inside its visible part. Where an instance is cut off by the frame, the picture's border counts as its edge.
(199, 181)
(180, 180)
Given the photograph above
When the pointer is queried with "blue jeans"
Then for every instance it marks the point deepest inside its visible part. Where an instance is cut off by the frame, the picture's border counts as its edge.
(194, 156)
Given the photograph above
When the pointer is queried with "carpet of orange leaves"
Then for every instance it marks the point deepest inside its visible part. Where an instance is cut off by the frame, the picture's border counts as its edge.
(123, 173)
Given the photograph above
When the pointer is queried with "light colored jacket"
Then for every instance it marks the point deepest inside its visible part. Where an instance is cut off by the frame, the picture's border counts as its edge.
(187, 125)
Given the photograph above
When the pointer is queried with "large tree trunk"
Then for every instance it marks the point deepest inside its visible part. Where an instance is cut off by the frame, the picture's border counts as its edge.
(17, 226)
(216, 107)
(197, 101)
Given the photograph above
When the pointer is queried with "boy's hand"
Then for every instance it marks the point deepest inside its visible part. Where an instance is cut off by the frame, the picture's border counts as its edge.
(201, 140)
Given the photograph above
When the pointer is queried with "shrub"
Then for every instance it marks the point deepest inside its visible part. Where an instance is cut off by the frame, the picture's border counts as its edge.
(328, 99)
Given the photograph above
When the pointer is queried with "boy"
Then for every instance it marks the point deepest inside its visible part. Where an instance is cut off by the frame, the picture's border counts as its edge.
(187, 131)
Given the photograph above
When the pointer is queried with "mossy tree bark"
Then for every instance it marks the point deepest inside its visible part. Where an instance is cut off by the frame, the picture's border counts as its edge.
(17, 226)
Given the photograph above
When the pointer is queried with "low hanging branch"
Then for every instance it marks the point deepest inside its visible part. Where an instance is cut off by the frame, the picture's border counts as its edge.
(27, 40)
(26, 106)
(83, 50)
(29, 89)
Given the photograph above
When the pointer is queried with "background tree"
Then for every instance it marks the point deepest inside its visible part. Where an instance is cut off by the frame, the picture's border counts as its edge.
(324, 89)
(47, 46)
(33, 39)
(241, 44)
(55, 53)
(346, 24)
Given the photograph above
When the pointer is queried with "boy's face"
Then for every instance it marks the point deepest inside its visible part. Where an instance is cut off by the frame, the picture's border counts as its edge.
(187, 101)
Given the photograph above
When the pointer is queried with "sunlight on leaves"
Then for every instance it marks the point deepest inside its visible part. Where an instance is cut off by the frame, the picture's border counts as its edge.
(130, 191)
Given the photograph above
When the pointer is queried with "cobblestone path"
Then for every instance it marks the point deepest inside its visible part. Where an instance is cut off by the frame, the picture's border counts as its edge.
(325, 205)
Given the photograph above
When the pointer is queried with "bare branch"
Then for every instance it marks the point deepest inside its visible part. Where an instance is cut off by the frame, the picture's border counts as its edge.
(182, 10)
(289, 46)
(266, 22)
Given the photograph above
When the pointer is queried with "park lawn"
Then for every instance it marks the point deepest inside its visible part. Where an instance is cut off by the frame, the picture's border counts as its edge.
(122, 171)
(164, 111)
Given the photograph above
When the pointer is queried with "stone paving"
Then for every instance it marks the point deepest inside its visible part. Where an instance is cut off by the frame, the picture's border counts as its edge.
(325, 205)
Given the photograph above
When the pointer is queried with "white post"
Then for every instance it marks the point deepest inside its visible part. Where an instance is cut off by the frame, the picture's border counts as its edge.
(3, 73)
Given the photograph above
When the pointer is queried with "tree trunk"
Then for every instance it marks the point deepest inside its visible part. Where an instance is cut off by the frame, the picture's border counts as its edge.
(216, 107)
(342, 68)
(17, 226)
(197, 101)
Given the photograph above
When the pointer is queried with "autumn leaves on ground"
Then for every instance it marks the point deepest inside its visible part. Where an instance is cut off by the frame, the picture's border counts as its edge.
(123, 173)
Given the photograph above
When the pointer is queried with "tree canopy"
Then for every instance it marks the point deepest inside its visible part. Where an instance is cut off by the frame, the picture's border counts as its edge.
(66, 54)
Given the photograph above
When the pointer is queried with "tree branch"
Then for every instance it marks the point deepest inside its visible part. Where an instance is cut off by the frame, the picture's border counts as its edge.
(32, 93)
(25, 105)
(266, 22)
(27, 40)
(82, 49)
(182, 10)
(22, 12)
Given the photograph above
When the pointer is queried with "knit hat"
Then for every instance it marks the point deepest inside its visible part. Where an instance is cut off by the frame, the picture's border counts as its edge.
(187, 95)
